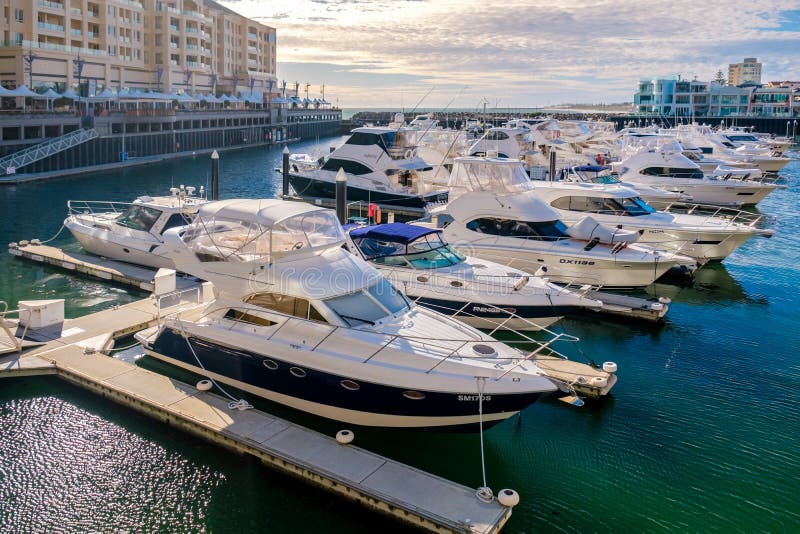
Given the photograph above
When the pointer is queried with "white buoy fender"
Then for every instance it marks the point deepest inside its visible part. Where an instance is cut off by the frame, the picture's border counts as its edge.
(599, 381)
(656, 306)
(609, 367)
(508, 497)
(204, 385)
(345, 436)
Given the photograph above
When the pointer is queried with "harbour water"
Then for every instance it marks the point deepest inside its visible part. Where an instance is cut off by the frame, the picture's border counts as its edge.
(699, 434)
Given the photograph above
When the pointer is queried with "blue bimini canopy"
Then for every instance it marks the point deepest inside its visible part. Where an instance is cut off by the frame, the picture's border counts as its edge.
(393, 232)
(590, 168)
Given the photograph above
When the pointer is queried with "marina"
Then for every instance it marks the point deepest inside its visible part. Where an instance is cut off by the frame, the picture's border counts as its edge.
(730, 289)
(269, 270)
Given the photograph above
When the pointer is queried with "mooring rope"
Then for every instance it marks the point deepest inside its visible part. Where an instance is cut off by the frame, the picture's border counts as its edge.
(484, 493)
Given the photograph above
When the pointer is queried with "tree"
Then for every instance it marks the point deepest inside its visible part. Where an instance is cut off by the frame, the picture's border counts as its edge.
(720, 77)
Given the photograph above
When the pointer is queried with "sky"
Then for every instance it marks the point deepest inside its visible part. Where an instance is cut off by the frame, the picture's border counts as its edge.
(442, 54)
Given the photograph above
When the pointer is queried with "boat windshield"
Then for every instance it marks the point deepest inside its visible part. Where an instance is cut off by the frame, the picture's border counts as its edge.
(674, 172)
(139, 218)
(428, 252)
(370, 305)
(630, 206)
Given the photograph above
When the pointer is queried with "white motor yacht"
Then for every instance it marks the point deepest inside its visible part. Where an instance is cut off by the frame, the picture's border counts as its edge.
(132, 231)
(601, 174)
(480, 293)
(381, 165)
(663, 166)
(705, 235)
(494, 214)
(299, 320)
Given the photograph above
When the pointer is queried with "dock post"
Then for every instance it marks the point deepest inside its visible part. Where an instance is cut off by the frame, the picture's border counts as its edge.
(552, 164)
(285, 171)
(341, 196)
(214, 175)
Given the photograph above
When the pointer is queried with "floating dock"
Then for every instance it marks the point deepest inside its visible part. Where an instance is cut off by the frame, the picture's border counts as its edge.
(410, 495)
(105, 269)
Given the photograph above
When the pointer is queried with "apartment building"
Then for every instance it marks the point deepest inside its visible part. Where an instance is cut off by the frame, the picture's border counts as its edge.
(170, 45)
(746, 72)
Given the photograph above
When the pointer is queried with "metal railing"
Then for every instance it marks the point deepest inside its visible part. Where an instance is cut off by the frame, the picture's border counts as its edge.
(441, 350)
(29, 155)
(6, 326)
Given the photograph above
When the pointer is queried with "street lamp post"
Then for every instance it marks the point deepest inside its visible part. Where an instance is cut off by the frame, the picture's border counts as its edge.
(787, 127)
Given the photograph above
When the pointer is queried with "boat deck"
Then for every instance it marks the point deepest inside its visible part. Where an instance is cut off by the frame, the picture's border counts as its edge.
(381, 484)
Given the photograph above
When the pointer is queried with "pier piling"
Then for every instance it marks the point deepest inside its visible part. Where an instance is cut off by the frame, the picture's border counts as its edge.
(341, 196)
(285, 171)
(552, 176)
(214, 175)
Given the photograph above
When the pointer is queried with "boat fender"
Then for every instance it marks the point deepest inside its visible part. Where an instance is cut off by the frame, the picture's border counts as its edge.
(522, 282)
(13, 244)
(23, 243)
(656, 306)
(599, 382)
(508, 498)
(345, 436)
(581, 379)
(664, 300)
(204, 385)
(35, 242)
(609, 367)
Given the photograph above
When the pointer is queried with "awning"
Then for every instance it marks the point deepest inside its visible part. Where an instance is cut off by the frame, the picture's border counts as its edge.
(394, 232)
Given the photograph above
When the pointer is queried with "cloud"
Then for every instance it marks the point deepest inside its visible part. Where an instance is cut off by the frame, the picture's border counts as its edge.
(523, 53)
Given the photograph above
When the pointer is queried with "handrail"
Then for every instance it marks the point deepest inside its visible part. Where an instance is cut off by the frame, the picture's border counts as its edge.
(424, 342)
(95, 207)
(11, 335)
(728, 214)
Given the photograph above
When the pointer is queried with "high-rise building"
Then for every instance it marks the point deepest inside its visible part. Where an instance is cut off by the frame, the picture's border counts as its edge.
(169, 45)
(746, 72)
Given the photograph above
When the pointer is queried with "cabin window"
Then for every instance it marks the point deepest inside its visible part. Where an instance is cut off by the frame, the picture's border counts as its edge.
(632, 206)
(286, 305)
(496, 135)
(537, 230)
(175, 220)
(385, 293)
(673, 172)
(364, 139)
(350, 167)
(139, 218)
(249, 318)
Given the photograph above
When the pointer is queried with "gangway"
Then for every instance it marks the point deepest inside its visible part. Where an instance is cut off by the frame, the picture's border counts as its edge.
(9, 164)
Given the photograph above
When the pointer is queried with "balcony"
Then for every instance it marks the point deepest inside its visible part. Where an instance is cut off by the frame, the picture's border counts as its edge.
(192, 47)
(50, 27)
(173, 27)
(189, 29)
(251, 35)
(252, 49)
(51, 5)
(173, 45)
(76, 12)
(76, 31)
(93, 35)
(173, 62)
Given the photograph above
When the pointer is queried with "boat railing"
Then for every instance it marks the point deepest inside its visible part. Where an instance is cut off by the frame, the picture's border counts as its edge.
(6, 326)
(190, 295)
(442, 349)
(96, 207)
(729, 215)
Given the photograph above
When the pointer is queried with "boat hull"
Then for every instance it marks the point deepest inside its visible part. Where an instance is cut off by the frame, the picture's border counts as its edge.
(308, 187)
(741, 194)
(104, 243)
(322, 393)
(491, 316)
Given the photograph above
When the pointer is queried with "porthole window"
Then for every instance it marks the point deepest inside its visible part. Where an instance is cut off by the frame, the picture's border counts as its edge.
(350, 385)
(456, 283)
(296, 371)
(422, 279)
(414, 395)
(269, 364)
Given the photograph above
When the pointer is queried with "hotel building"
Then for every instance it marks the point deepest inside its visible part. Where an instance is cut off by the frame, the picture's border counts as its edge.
(746, 72)
(169, 46)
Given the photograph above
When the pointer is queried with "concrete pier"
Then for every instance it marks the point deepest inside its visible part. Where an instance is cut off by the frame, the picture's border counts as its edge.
(407, 494)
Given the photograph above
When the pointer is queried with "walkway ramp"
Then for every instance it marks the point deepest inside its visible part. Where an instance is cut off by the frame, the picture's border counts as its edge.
(11, 163)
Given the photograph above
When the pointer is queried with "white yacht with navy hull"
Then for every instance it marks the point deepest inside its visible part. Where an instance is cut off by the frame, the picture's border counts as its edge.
(300, 321)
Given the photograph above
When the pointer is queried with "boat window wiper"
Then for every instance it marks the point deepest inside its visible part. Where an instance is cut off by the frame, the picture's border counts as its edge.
(357, 319)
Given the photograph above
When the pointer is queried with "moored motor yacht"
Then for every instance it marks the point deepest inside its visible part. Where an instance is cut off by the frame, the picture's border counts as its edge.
(300, 321)
(662, 165)
(704, 234)
(480, 293)
(132, 231)
(494, 214)
(381, 165)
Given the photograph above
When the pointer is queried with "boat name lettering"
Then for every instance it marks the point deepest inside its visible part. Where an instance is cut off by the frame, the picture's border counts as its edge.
(473, 397)
(575, 262)
(492, 309)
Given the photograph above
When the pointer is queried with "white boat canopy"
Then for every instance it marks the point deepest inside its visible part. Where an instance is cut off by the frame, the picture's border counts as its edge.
(499, 175)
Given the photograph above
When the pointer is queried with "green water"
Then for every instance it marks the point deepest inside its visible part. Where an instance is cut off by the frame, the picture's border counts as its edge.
(700, 435)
